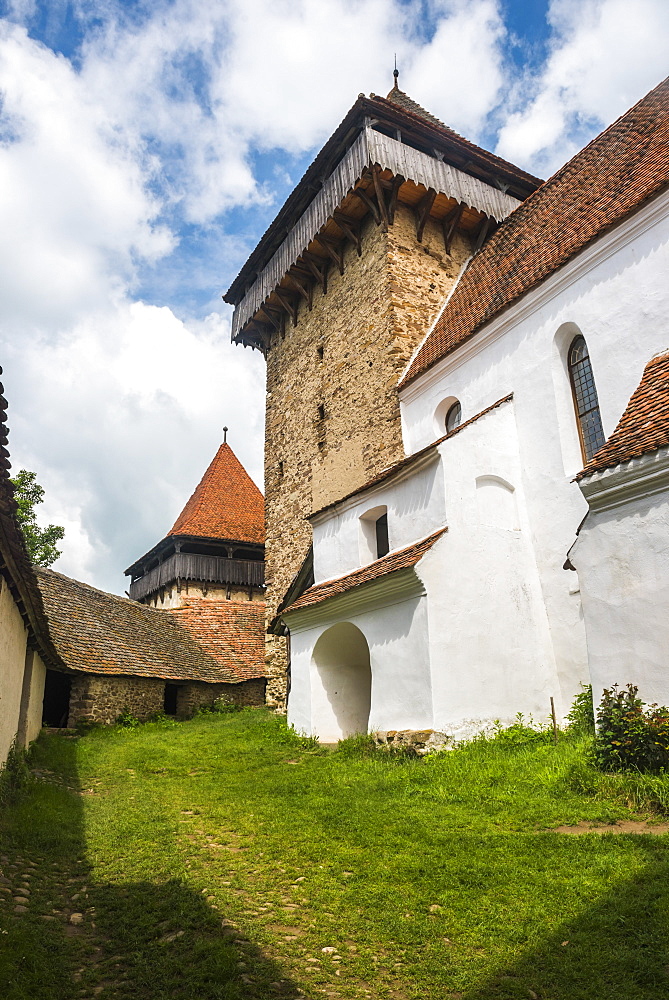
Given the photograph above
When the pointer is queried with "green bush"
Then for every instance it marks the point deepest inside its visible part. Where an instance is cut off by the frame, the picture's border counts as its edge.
(127, 720)
(581, 717)
(630, 735)
(14, 774)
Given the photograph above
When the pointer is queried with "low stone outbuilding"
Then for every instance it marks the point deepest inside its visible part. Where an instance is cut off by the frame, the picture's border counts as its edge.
(122, 656)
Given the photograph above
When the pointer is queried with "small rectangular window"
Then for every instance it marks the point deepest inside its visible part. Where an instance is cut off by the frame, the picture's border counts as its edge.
(382, 546)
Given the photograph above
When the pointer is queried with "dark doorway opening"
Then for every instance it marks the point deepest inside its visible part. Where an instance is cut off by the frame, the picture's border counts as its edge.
(170, 700)
(56, 707)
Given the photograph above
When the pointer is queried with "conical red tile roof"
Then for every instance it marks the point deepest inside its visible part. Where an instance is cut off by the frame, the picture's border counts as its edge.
(226, 504)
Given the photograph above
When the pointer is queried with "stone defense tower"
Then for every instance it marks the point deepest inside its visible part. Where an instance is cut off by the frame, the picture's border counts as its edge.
(215, 549)
(337, 295)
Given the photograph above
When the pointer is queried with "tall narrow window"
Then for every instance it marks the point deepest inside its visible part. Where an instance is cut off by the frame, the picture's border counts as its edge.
(585, 398)
(453, 417)
(382, 546)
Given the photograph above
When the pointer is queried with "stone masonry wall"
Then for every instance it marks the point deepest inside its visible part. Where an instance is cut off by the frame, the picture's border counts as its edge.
(346, 355)
(172, 597)
(195, 695)
(97, 698)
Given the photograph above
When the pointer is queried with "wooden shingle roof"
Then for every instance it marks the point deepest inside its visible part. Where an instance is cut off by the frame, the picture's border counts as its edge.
(226, 504)
(612, 177)
(644, 426)
(100, 633)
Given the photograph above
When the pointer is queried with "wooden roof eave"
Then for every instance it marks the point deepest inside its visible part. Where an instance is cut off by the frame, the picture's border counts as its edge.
(463, 154)
(381, 159)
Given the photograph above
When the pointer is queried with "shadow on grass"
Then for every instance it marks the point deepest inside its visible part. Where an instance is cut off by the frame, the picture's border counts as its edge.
(140, 939)
(616, 950)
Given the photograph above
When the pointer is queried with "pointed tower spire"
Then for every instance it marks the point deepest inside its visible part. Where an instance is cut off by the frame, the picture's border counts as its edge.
(225, 504)
(396, 74)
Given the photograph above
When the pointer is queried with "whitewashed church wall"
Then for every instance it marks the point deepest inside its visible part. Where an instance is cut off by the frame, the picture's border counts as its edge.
(398, 642)
(35, 699)
(415, 508)
(622, 559)
(490, 648)
(616, 294)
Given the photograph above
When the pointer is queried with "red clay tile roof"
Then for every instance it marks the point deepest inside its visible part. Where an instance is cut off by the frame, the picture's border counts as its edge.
(226, 504)
(614, 175)
(99, 633)
(232, 632)
(402, 100)
(403, 462)
(394, 561)
(644, 426)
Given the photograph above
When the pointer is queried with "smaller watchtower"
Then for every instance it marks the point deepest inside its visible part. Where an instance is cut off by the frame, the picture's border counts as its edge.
(216, 547)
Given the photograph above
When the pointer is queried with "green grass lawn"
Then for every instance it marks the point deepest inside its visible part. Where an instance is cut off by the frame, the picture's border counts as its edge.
(218, 858)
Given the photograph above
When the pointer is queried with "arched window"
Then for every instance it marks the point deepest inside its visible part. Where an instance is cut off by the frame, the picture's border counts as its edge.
(585, 398)
(453, 417)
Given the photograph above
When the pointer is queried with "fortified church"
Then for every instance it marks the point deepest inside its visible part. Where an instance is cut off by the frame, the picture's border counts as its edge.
(466, 462)
(467, 431)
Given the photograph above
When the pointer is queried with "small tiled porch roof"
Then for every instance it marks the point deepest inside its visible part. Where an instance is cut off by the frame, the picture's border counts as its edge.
(644, 426)
(394, 561)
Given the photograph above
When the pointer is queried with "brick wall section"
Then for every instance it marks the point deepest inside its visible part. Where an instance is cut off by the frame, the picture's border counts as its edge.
(368, 325)
(96, 698)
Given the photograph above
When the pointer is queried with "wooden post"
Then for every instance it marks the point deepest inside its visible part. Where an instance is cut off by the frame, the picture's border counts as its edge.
(555, 728)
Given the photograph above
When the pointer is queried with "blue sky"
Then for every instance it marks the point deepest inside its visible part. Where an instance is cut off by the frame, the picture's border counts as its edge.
(145, 147)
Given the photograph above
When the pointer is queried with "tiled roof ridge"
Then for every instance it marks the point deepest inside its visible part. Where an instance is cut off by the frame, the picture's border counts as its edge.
(81, 585)
(226, 503)
(390, 471)
(493, 158)
(402, 99)
(403, 558)
(644, 425)
(529, 246)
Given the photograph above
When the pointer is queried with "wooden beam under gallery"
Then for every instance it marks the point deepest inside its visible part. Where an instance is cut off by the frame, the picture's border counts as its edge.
(304, 285)
(368, 202)
(422, 212)
(333, 248)
(350, 227)
(450, 223)
(275, 316)
(318, 267)
(288, 302)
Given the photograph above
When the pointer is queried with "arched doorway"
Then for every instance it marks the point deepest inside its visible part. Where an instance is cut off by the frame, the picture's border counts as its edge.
(342, 683)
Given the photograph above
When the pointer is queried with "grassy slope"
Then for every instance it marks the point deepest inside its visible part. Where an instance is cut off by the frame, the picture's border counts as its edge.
(431, 879)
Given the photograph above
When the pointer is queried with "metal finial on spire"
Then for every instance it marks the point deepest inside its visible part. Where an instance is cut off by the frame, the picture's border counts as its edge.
(225, 435)
(396, 74)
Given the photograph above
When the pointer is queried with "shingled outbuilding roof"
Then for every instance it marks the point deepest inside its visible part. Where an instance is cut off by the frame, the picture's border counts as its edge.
(612, 177)
(394, 561)
(226, 503)
(99, 633)
(644, 426)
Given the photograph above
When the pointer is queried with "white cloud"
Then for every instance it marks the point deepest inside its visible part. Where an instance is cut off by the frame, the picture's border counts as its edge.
(605, 55)
(127, 412)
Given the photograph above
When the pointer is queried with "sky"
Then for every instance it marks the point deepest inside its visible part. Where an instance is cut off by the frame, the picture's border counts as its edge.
(144, 149)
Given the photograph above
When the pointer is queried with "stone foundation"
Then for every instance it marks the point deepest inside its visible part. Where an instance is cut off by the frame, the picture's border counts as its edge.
(101, 699)
(421, 741)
